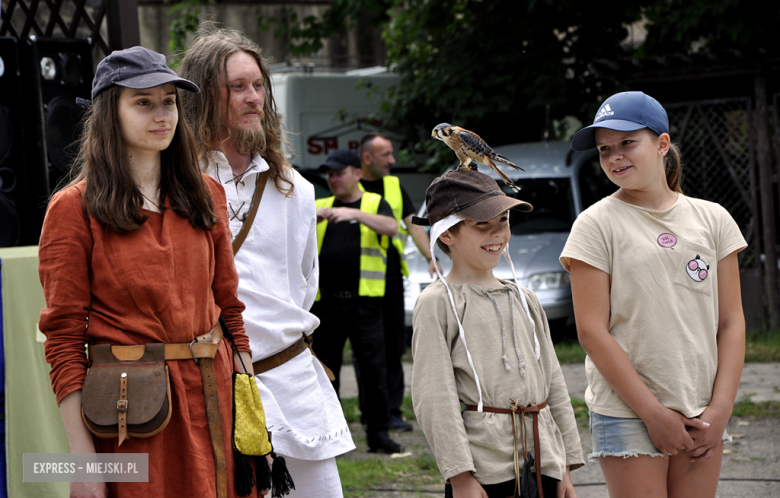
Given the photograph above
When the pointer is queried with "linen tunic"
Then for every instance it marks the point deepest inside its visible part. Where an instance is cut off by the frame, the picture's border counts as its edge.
(495, 325)
(166, 282)
(279, 274)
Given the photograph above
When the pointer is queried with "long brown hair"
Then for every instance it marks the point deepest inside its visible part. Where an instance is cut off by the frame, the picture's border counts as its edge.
(672, 164)
(205, 64)
(111, 195)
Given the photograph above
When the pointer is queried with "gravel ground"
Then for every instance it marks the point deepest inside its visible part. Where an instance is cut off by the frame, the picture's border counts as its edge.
(754, 454)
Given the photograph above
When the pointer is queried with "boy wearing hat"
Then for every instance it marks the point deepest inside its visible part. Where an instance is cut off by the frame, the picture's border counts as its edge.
(353, 232)
(485, 343)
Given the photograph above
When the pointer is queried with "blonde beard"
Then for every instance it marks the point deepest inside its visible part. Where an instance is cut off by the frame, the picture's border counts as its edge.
(249, 143)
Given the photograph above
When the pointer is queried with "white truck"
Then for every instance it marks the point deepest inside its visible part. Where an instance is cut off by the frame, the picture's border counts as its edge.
(325, 111)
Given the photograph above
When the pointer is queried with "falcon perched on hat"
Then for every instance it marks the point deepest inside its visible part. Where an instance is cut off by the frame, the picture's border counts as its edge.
(470, 148)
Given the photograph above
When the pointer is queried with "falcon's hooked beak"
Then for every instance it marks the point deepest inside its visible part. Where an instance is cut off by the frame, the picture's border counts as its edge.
(439, 130)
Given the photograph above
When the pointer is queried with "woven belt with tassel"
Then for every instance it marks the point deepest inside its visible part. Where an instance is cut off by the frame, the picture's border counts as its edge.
(515, 411)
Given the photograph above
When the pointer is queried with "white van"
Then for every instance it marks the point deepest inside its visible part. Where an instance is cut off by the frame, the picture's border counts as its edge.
(325, 111)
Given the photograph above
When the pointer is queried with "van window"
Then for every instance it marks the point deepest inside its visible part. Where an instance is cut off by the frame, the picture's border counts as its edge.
(553, 206)
(593, 182)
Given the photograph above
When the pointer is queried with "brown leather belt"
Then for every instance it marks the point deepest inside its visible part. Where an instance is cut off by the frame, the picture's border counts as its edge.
(202, 349)
(288, 354)
(519, 410)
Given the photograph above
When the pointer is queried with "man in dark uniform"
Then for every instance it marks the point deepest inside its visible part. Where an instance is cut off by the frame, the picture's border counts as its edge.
(376, 155)
(353, 232)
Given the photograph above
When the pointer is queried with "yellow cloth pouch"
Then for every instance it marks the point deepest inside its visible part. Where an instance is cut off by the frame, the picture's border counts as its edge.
(251, 439)
(250, 436)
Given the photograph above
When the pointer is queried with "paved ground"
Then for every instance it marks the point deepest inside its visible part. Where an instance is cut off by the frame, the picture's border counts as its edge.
(754, 455)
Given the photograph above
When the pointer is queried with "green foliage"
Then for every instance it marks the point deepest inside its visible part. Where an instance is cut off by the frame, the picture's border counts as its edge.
(495, 66)
(709, 25)
(763, 409)
(307, 35)
(581, 413)
(569, 351)
(351, 410)
(186, 19)
(763, 347)
(508, 69)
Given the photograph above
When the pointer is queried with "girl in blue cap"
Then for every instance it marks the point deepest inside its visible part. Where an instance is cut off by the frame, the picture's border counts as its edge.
(136, 252)
(655, 282)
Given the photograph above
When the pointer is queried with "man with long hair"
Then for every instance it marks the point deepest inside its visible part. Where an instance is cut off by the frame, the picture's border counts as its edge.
(272, 218)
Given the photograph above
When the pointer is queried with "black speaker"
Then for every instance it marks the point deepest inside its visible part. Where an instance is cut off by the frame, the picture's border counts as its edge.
(64, 72)
(23, 176)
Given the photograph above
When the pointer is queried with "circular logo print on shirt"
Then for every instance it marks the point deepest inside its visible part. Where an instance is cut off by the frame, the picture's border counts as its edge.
(667, 240)
(697, 269)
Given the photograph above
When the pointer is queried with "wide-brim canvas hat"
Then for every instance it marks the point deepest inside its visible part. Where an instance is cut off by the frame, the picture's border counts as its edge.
(469, 194)
(138, 68)
(626, 111)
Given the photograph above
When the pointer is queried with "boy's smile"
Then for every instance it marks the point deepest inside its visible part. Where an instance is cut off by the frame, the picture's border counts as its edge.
(476, 247)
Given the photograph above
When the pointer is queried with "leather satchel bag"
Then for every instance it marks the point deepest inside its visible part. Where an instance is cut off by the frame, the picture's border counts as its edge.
(127, 397)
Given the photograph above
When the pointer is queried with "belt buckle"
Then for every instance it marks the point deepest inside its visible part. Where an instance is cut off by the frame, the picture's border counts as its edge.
(121, 405)
(197, 361)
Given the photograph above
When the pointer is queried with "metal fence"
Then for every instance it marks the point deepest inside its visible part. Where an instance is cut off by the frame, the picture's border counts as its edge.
(714, 136)
(109, 24)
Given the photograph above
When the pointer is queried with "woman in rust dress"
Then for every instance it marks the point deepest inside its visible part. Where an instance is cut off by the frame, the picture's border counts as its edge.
(136, 250)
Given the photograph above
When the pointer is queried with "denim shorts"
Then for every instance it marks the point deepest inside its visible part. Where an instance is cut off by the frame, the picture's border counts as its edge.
(626, 437)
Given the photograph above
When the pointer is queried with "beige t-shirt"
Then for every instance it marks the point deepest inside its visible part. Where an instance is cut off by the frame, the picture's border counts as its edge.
(663, 268)
(495, 325)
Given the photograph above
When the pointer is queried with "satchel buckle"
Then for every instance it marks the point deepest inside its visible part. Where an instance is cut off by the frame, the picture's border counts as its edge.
(121, 405)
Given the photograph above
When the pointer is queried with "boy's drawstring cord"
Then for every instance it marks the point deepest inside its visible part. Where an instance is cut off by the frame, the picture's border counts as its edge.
(437, 229)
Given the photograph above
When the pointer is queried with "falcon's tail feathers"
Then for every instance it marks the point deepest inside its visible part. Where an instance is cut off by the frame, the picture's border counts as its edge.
(502, 159)
(509, 182)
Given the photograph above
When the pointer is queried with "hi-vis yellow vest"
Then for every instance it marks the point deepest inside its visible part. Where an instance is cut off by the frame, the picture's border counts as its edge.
(392, 186)
(373, 248)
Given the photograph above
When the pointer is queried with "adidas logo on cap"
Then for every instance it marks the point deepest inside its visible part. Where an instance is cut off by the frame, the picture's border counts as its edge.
(603, 113)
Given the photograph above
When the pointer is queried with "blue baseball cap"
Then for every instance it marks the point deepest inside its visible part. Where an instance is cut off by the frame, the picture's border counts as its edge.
(627, 111)
(340, 159)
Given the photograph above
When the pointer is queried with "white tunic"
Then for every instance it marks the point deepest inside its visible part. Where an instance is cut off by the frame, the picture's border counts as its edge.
(278, 278)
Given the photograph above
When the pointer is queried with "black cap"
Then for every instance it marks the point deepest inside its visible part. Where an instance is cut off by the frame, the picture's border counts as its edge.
(138, 68)
(470, 194)
(340, 159)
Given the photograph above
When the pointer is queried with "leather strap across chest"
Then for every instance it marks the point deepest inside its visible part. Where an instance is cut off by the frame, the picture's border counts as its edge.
(515, 411)
(257, 196)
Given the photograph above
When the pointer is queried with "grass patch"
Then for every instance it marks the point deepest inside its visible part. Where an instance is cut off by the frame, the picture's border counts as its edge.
(569, 351)
(581, 413)
(763, 347)
(346, 357)
(416, 472)
(762, 409)
(351, 409)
